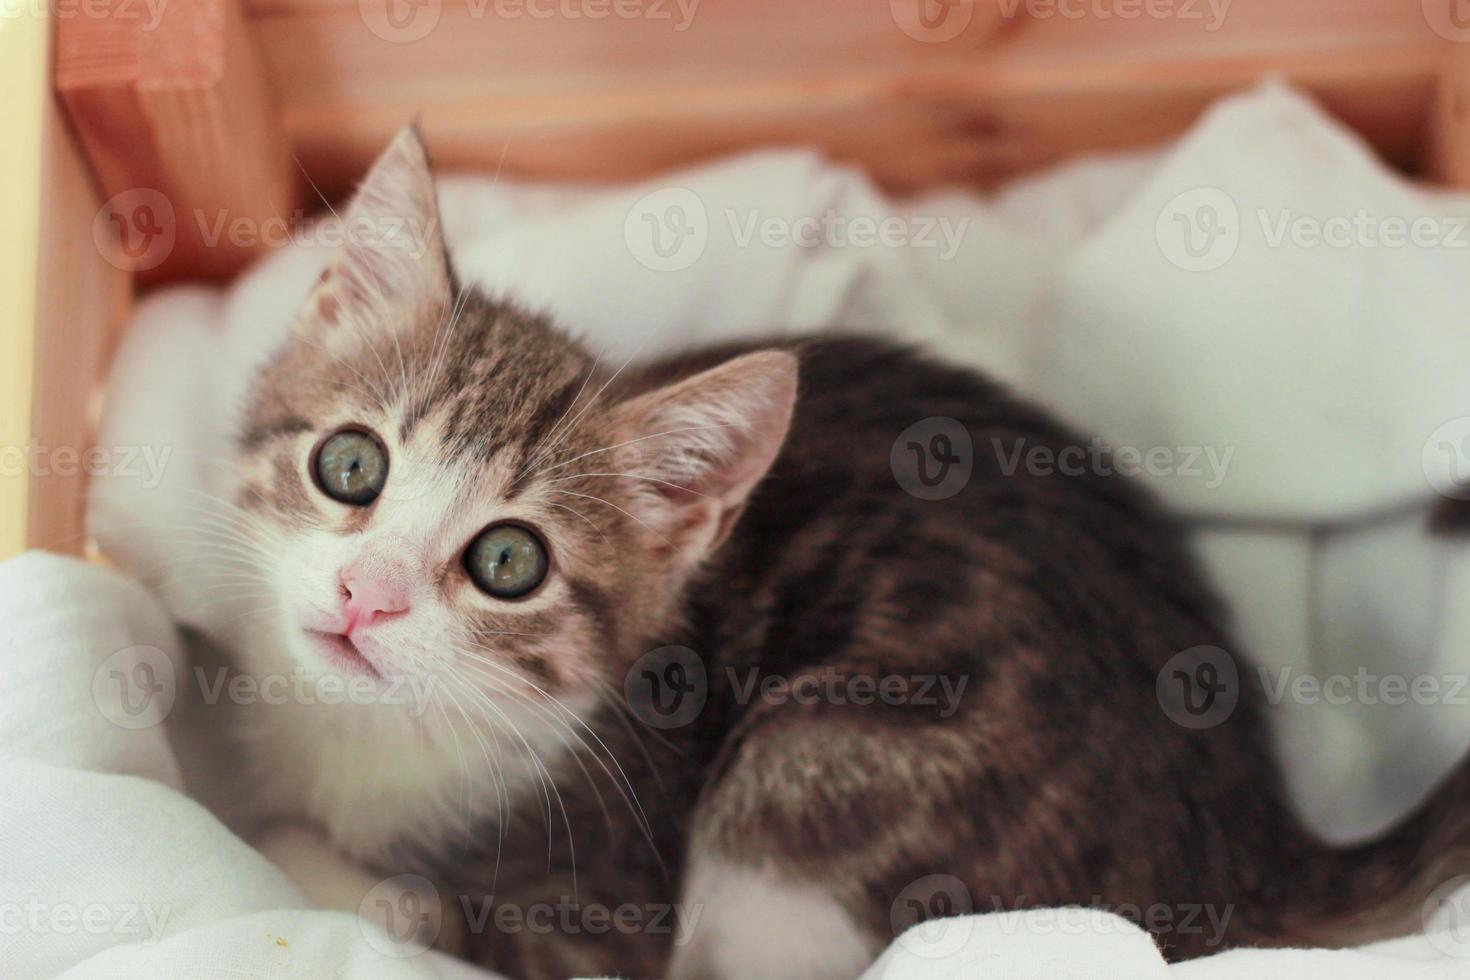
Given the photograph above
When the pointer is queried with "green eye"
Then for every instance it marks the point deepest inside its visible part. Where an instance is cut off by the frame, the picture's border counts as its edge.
(352, 467)
(506, 561)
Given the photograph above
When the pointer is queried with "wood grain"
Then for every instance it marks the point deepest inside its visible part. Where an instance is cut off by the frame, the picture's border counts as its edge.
(83, 301)
(179, 114)
(1449, 152)
(61, 304)
(611, 99)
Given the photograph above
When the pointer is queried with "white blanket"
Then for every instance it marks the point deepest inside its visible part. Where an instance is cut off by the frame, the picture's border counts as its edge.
(1240, 305)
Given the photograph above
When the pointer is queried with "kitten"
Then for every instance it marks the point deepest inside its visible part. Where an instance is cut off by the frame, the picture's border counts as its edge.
(691, 650)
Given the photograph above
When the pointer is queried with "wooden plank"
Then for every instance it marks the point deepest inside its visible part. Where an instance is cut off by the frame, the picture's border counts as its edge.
(1449, 154)
(588, 99)
(23, 79)
(63, 304)
(83, 301)
(178, 118)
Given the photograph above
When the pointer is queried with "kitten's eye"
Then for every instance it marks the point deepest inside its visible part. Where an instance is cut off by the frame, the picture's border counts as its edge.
(352, 467)
(507, 561)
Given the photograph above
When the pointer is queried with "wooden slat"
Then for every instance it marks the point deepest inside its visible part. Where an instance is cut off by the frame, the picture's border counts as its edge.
(179, 117)
(1450, 147)
(611, 99)
(83, 301)
(23, 79)
(62, 305)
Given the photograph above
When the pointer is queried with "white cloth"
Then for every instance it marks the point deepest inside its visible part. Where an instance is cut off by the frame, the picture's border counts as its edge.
(107, 869)
(1318, 373)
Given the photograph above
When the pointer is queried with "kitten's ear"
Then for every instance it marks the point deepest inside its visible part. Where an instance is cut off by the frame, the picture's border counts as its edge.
(699, 447)
(391, 265)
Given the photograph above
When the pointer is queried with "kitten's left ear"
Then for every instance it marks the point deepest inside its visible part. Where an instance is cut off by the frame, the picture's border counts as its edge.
(698, 447)
(392, 263)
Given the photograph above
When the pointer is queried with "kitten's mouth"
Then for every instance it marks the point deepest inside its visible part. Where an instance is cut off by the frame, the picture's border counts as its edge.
(343, 653)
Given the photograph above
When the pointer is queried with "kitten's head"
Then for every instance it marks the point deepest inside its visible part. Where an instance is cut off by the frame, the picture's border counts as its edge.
(448, 487)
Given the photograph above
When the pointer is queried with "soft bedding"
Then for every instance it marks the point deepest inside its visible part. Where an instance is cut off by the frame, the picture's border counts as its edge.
(1223, 307)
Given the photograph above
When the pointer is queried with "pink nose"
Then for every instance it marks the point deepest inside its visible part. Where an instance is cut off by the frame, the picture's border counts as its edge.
(367, 599)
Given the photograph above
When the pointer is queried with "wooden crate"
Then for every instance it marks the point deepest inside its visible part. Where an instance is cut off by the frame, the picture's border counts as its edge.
(222, 106)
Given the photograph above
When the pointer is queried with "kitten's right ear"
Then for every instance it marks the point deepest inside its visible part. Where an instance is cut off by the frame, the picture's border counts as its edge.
(392, 262)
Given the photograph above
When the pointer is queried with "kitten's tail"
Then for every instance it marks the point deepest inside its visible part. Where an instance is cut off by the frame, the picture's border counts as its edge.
(1391, 886)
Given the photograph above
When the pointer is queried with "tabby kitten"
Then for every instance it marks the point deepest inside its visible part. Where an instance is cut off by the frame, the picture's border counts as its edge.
(647, 604)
